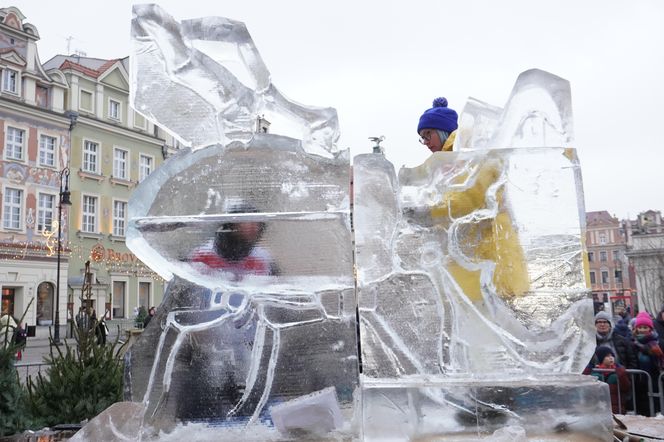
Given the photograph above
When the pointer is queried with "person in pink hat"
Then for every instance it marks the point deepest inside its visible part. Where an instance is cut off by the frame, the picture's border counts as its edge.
(650, 358)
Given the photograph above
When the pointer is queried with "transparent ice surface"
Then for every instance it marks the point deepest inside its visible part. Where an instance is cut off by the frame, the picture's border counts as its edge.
(230, 342)
(473, 302)
(205, 81)
(561, 408)
(477, 266)
(537, 114)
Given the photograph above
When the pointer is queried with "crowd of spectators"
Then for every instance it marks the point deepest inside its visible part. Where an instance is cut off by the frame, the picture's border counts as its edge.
(625, 344)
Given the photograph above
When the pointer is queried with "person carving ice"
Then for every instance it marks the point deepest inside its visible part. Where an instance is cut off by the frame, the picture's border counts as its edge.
(496, 240)
(234, 250)
(232, 255)
(437, 127)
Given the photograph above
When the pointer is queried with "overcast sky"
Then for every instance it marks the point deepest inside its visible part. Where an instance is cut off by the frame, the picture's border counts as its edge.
(380, 64)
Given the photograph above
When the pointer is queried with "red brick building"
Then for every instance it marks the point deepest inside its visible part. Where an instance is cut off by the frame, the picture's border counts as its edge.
(612, 286)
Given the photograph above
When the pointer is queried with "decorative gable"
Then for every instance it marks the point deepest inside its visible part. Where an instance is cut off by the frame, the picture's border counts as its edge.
(11, 56)
(115, 78)
(12, 20)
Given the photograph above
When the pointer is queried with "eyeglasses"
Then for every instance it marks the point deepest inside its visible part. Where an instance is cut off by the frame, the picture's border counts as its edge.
(425, 137)
(601, 321)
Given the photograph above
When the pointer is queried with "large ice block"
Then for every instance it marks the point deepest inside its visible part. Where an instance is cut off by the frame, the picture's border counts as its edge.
(471, 276)
(477, 266)
(561, 408)
(229, 345)
(258, 327)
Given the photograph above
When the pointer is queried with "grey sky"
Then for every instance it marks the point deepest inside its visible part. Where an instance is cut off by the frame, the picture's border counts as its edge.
(381, 63)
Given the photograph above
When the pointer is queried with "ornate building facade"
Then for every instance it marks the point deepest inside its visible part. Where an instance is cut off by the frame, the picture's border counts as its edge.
(34, 148)
(113, 149)
(609, 266)
(70, 114)
(645, 239)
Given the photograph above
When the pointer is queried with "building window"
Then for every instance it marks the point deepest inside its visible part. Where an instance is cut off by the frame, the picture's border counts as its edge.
(617, 274)
(47, 151)
(616, 255)
(602, 256)
(602, 238)
(86, 101)
(90, 157)
(10, 81)
(14, 146)
(139, 121)
(89, 214)
(119, 218)
(114, 109)
(592, 278)
(11, 208)
(120, 157)
(45, 211)
(591, 256)
(8, 295)
(41, 96)
(605, 277)
(119, 294)
(144, 289)
(144, 166)
(45, 292)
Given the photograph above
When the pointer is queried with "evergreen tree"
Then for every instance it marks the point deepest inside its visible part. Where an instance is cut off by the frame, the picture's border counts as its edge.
(13, 410)
(80, 382)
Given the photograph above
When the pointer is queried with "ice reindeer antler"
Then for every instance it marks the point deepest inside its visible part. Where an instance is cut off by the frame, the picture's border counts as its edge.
(179, 81)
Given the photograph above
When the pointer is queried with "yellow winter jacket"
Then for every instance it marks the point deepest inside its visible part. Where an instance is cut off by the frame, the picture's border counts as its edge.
(494, 240)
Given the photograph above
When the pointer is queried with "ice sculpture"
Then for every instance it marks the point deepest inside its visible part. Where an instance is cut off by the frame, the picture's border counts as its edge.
(474, 307)
(474, 312)
(257, 331)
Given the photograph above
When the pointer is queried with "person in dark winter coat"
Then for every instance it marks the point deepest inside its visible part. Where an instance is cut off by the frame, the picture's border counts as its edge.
(623, 349)
(613, 374)
(650, 359)
(20, 338)
(149, 317)
(623, 329)
(658, 323)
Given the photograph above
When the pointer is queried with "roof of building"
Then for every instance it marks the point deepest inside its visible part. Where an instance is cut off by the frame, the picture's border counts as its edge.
(12, 17)
(93, 67)
(600, 218)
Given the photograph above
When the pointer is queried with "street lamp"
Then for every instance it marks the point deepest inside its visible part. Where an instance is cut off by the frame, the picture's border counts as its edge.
(64, 200)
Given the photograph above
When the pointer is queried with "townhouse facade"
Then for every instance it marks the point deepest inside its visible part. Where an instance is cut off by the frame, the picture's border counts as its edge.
(34, 147)
(113, 149)
(609, 267)
(68, 122)
(645, 239)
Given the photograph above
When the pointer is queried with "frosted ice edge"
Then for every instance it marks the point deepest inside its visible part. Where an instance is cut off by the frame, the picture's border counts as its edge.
(205, 81)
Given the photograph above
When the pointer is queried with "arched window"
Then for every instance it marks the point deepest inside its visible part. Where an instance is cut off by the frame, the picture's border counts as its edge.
(45, 292)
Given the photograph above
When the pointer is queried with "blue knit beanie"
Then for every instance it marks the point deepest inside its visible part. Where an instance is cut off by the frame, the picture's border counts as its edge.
(439, 117)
